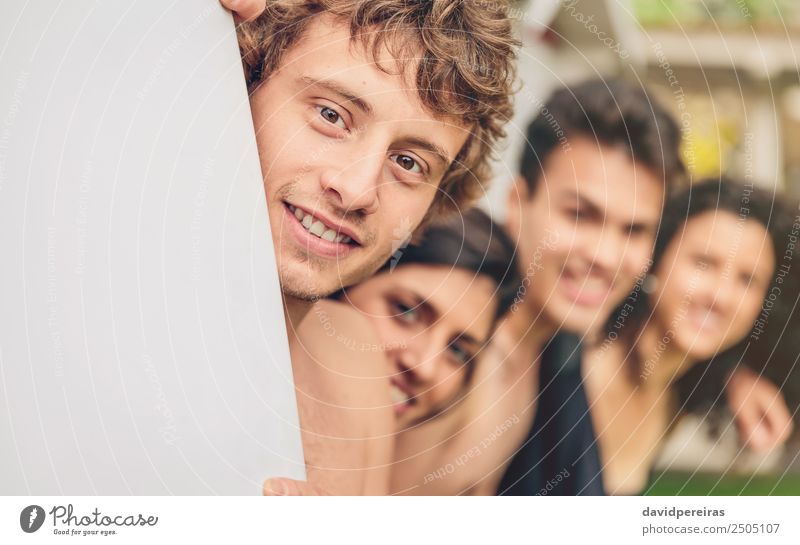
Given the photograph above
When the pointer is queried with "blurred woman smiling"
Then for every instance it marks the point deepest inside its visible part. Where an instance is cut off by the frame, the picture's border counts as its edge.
(713, 264)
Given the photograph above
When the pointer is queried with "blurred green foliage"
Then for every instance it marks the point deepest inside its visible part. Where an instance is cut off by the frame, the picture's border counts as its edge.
(724, 13)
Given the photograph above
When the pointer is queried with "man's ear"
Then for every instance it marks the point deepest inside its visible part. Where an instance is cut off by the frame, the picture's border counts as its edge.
(515, 200)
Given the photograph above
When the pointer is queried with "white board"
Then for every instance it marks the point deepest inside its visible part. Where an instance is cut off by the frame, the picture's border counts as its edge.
(142, 342)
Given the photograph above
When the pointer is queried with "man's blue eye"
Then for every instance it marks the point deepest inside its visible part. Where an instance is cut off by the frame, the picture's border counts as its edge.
(331, 116)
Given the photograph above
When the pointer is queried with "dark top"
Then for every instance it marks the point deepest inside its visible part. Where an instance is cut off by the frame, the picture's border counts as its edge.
(560, 457)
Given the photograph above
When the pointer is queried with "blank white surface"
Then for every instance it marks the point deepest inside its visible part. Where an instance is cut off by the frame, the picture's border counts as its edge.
(142, 342)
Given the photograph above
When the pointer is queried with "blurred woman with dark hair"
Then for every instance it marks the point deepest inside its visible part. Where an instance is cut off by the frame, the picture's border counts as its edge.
(435, 305)
(714, 261)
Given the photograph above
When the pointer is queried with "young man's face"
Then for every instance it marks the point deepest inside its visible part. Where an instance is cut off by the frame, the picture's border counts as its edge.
(586, 233)
(351, 159)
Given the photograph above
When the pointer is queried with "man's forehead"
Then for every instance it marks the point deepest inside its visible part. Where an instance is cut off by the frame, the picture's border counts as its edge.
(605, 177)
(327, 42)
(326, 50)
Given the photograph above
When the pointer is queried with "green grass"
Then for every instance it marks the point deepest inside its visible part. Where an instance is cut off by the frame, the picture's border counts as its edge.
(672, 483)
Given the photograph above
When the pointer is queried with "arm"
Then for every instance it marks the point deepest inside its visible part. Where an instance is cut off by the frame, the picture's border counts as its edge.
(760, 412)
(343, 401)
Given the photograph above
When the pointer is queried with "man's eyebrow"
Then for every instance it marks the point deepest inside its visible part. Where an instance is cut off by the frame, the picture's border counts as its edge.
(641, 224)
(582, 202)
(593, 209)
(428, 145)
(337, 88)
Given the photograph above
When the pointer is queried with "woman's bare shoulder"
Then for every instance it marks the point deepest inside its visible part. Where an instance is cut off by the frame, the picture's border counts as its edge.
(345, 396)
(344, 341)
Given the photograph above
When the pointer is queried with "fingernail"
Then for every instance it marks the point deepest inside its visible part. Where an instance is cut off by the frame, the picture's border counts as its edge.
(276, 487)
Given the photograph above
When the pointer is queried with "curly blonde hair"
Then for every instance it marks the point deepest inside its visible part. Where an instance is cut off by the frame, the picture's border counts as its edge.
(465, 51)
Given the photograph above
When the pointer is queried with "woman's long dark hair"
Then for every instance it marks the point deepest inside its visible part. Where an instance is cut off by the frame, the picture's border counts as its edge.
(723, 194)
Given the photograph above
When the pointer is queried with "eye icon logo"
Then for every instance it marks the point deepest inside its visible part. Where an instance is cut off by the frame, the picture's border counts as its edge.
(31, 519)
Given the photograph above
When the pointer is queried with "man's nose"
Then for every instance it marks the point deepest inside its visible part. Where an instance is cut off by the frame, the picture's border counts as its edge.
(607, 249)
(353, 186)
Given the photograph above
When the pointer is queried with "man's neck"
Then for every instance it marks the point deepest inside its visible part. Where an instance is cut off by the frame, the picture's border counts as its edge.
(294, 311)
(529, 328)
(662, 362)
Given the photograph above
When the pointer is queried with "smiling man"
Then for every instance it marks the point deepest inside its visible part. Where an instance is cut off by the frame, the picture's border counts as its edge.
(593, 205)
(348, 153)
(372, 117)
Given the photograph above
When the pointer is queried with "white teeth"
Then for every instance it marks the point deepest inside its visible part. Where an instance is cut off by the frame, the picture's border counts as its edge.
(594, 284)
(318, 228)
(398, 395)
(590, 284)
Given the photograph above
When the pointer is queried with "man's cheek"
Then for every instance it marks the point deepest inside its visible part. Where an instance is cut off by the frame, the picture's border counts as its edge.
(744, 317)
(638, 262)
(554, 258)
(558, 225)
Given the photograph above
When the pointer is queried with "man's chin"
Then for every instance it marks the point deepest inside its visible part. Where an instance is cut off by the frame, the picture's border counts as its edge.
(306, 291)
(581, 322)
(311, 286)
(311, 282)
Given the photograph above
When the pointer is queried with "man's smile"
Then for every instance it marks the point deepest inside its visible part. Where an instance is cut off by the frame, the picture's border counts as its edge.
(320, 235)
